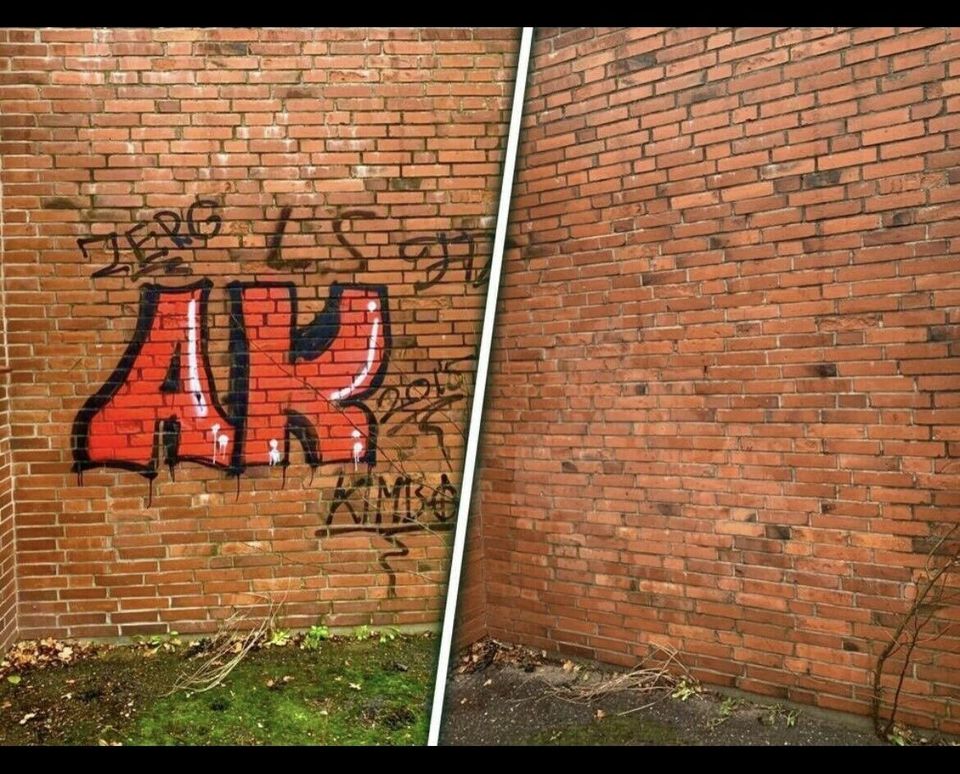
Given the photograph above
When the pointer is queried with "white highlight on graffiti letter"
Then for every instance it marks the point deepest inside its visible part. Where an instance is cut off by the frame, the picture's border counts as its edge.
(193, 369)
(220, 441)
(357, 449)
(371, 353)
(274, 453)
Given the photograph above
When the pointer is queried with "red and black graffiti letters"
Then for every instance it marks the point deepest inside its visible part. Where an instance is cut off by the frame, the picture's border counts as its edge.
(285, 381)
(307, 382)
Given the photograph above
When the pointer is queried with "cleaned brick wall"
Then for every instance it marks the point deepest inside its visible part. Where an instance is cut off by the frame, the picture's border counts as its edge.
(300, 156)
(471, 620)
(724, 400)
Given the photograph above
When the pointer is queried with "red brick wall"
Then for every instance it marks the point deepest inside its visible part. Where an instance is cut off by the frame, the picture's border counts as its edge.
(724, 403)
(287, 136)
(471, 620)
(8, 581)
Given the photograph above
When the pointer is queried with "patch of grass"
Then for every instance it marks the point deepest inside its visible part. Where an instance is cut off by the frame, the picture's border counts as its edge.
(345, 692)
(617, 730)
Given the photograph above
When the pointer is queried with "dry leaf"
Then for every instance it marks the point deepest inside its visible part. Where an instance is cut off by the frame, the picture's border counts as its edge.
(568, 666)
(28, 716)
(601, 714)
(488, 682)
(355, 686)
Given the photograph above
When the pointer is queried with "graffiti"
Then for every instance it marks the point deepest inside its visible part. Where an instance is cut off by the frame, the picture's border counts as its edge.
(342, 238)
(170, 228)
(168, 231)
(423, 401)
(459, 249)
(390, 511)
(399, 500)
(275, 242)
(285, 382)
(307, 382)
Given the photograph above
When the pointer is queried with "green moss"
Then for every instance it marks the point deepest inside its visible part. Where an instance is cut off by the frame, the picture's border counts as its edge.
(618, 730)
(343, 693)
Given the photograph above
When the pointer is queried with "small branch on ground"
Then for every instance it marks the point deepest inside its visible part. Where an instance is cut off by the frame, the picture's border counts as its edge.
(229, 646)
(660, 674)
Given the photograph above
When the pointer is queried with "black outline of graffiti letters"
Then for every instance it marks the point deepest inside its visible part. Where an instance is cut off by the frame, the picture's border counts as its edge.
(149, 301)
(307, 342)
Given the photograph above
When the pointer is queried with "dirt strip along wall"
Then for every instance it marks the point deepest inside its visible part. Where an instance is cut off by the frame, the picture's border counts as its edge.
(244, 275)
(725, 398)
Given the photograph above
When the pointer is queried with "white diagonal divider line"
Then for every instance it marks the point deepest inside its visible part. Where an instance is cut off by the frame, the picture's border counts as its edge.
(480, 385)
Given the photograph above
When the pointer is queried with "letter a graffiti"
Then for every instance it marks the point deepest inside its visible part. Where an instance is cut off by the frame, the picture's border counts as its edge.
(285, 382)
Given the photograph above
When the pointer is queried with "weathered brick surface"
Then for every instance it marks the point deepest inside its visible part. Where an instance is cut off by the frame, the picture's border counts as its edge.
(323, 153)
(8, 586)
(8, 580)
(723, 409)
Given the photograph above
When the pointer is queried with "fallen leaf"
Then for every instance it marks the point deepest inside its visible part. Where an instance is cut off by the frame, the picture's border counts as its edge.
(14, 679)
(28, 716)
(488, 682)
(287, 678)
(355, 686)
(568, 666)
(324, 713)
(601, 714)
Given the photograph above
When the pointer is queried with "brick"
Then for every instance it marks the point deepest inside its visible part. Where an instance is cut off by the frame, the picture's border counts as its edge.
(721, 407)
(126, 134)
(776, 333)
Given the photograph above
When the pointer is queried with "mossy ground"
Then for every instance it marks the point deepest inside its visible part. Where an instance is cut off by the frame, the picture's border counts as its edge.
(625, 730)
(348, 692)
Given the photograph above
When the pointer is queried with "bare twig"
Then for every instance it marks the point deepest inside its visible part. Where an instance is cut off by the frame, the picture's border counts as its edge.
(229, 647)
(931, 595)
(665, 673)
